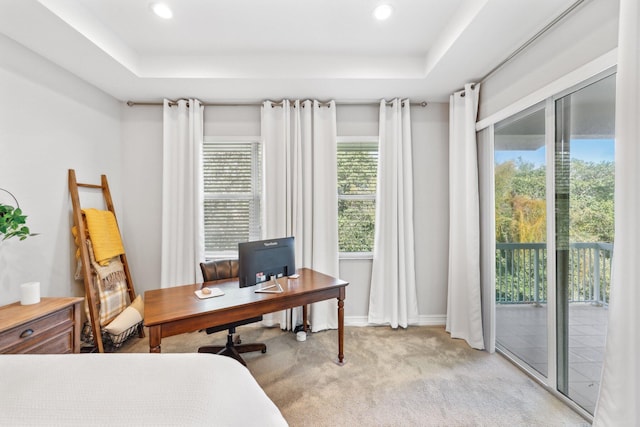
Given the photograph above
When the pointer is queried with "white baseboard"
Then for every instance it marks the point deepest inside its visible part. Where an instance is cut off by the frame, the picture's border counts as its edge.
(423, 320)
(432, 320)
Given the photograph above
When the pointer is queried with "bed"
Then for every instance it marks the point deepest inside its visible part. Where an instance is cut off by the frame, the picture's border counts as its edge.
(134, 389)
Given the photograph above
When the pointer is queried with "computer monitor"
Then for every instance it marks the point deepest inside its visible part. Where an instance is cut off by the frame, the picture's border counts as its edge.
(261, 259)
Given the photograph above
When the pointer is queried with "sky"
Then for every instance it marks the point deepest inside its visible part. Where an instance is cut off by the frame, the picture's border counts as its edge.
(590, 150)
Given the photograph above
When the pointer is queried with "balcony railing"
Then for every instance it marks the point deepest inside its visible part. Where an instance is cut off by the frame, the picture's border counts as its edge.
(521, 272)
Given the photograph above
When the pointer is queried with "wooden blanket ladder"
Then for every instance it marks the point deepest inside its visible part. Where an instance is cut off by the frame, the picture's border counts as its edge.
(90, 292)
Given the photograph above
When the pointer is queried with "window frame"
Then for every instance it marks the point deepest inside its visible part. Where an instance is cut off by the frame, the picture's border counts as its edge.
(370, 139)
(212, 255)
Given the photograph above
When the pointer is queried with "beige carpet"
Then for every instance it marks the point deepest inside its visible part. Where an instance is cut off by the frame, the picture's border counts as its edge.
(406, 377)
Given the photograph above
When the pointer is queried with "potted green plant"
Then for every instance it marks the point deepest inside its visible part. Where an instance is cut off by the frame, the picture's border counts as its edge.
(14, 224)
(12, 221)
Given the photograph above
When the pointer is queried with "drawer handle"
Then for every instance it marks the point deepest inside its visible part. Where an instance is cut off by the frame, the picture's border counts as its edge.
(26, 333)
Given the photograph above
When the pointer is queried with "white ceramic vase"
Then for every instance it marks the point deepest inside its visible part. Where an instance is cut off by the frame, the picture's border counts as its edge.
(30, 293)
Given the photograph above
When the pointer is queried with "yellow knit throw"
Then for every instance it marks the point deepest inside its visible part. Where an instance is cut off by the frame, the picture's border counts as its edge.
(104, 235)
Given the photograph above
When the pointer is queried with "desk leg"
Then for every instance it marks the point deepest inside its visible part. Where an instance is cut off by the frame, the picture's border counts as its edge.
(304, 317)
(341, 329)
(155, 335)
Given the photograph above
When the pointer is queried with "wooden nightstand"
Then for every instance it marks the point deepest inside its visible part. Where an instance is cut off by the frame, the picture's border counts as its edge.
(51, 326)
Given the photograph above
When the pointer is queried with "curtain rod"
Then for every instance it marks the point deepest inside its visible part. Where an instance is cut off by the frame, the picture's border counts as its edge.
(244, 104)
(527, 43)
(533, 39)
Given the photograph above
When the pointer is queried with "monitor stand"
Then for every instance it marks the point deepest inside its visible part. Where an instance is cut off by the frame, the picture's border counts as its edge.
(273, 287)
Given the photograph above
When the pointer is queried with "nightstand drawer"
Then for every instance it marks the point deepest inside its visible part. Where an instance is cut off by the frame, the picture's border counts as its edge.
(32, 333)
(55, 341)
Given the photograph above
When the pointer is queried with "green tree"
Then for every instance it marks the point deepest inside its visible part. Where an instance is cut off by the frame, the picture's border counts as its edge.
(591, 200)
(521, 208)
(520, 202)
(357, 174)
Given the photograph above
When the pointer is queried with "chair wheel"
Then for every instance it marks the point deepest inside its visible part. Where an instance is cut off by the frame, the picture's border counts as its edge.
(264, 351)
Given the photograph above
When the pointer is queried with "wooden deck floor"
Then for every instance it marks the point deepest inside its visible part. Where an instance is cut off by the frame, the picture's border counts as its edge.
(522, 329)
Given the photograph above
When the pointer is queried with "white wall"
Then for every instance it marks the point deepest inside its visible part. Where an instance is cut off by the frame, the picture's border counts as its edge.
(50, 121)
(142, 193)
(584, 35)
(431, 210)
(142, 173)
(430, 137)
(142, 136)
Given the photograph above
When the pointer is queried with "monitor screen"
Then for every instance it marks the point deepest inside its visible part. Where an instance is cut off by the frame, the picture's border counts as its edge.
(259, 260)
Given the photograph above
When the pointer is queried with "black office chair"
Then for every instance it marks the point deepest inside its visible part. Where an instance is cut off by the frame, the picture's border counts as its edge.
(224, 269)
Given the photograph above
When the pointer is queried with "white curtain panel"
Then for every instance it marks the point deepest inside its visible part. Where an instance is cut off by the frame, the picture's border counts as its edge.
(182, 198)
(486, 182)
(277, 138)
(464, 312)
(619, 400)
(393, 296)
(300, 145)
(321, 253)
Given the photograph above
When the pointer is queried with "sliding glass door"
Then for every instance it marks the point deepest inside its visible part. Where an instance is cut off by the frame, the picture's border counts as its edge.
(521, 227)
(584, 187)
(554, 187)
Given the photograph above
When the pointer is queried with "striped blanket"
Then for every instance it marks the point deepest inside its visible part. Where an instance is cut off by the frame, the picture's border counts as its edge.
(110, 285)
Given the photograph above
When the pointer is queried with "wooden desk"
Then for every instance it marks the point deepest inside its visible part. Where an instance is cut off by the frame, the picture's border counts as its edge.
(173, 311)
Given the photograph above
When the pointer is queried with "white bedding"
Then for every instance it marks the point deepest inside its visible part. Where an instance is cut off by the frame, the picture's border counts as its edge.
(117, 389)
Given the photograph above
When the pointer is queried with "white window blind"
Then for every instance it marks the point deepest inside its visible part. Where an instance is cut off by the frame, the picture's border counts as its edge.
(357, 173)
(232, 195)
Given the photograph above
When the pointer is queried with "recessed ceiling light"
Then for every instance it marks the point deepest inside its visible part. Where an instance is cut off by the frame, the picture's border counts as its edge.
(382, 12)
(162, 10)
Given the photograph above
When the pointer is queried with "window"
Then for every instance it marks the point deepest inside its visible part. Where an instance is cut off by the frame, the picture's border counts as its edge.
(232, 194)
(357, 173)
